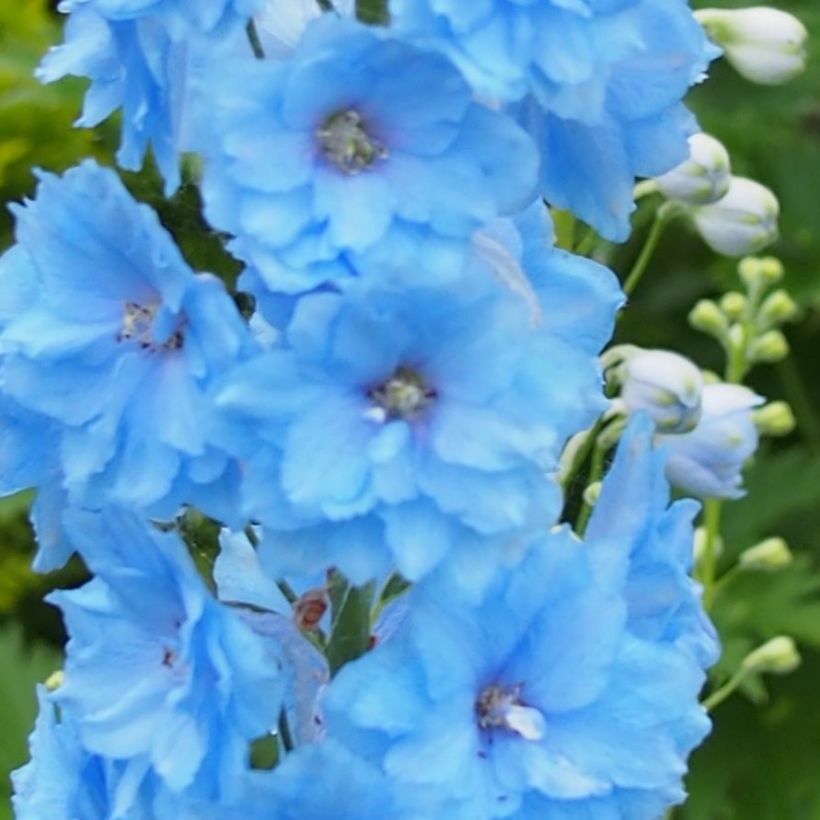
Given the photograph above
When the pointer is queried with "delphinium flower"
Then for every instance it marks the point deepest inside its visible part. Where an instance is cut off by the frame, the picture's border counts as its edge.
(117, 345)
(633, 522)
(158, 674)
(599, 86)
(138, 57)
(355, 152)
(549, 698)
(418, 410)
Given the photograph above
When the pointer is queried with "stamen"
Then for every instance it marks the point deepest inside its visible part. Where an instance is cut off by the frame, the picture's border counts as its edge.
(403, 396)
(138, 325)
(498, 708)
(346, 143)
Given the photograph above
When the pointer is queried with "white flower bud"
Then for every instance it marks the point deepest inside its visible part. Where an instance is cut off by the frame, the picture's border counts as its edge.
(665, 385)
(778, 656)
(743, 222)
(701, 179)
(767, 556)
(707, 462)
(762, 44)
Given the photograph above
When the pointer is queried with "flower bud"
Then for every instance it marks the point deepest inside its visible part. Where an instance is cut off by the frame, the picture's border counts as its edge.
(775, 419)
(707, 462)
(701, 179)
(762, 44)
(767, 556)
(707, 317)
(760, 271)
(770, 347)
(665, 385)
(778, 656)
(55, 680)
(777, 309)
(734, 305)
(743, 222)
(591, 493)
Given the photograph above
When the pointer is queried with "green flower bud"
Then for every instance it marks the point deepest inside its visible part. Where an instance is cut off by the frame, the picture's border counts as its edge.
(707, 317)
(776, 309)
(767, 556)
(770, 347)
(591, 494)
(778, 656)
(54, 681)
(760, 271)
(775, 419)
(734, 304)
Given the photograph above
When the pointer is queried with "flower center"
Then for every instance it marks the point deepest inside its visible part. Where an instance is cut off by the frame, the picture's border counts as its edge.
(138, 324)
(403, 396)
(498, 708)
(345, 142)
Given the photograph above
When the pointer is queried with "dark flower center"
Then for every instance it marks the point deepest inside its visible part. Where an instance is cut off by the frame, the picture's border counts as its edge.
(500, 708)
(138, 325)
(346, 143)
(403, 396)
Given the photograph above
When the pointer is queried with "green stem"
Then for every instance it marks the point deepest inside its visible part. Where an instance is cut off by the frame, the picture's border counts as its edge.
(711, 517)
(596, 469)
(726, 579)
(588, 242)
(722, 693)
(253, 39)
(373, 12)
(647, 252)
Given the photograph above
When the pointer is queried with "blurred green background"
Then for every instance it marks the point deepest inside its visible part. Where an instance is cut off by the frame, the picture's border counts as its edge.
(763, 759)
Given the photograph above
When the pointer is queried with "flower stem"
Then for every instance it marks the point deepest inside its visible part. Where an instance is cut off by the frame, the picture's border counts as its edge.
(647, 252)
(712, 509)
(596, 469)
(722, 693)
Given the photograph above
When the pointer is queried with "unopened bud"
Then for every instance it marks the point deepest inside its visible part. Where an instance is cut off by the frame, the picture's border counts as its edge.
(665, 385)
(775, 419)
(591, 494)
(762, 44)
(734, 305)
(707, 317)
(779, 656)
(55, 680)
(701, 179)
(767, 556)
(743, 222)
(760, 271)
(770, 347)
(777, 309)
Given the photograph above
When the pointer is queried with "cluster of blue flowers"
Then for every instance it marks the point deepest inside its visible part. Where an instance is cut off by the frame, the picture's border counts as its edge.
(381, 438)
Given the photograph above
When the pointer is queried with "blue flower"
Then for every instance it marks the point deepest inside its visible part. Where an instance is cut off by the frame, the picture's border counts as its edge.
(537, 701)
(118, 332)
(598, 86)
(355, 152)
(63, 780)
(707, 462)
(435, 410)
(138, 57)
(633, 524)
(158, 674)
